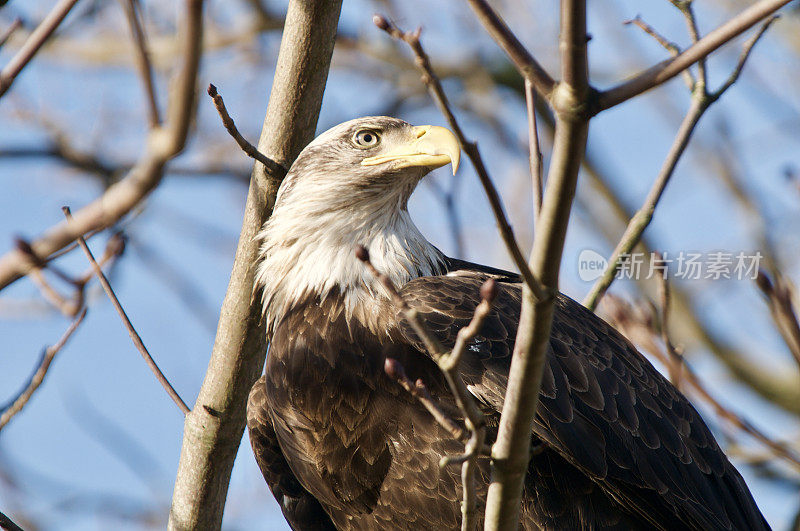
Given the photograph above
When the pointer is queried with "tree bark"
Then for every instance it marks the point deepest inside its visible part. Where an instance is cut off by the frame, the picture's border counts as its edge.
(511, 450)
(213, 429)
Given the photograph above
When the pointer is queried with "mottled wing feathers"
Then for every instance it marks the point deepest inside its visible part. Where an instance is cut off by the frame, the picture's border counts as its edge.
(320, 402)
(603, 407)
(301, 509)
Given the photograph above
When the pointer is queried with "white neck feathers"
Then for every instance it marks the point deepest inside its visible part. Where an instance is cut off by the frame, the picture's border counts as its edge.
(309, 253)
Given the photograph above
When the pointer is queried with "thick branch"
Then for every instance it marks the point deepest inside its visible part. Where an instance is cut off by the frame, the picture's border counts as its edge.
(35, 41)
(666, 70)
(511, 451)
(163, 143)
(213, 429)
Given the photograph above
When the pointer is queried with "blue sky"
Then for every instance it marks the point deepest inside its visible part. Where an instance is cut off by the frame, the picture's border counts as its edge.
(101, 426)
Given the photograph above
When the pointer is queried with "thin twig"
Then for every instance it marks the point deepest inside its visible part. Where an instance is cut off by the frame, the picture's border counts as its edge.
(448, 363)
(525, 63)
(230, 126)
(35, 41)
(163, 143)
(534, 151)
(137, 340)
(702, 99)
(395, 370)
(470, 148)
(142, 58)
(781, 308)
(641, 220)
(746, 49)
(675, 368)
(685, 7)
(68, 307)
(668, 45)
(37, 378)
(666, 70)
(115, 246)
(10, 30)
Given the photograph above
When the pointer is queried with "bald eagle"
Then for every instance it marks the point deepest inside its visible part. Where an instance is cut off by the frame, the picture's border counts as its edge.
(343, 446)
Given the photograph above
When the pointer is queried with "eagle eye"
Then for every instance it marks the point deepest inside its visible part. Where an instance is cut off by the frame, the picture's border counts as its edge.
(366, 138)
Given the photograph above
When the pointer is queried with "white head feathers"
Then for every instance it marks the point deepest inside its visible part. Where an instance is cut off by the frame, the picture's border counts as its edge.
(327, 205)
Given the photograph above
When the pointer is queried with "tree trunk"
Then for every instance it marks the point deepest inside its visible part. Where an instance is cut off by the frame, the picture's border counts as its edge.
(213, 429)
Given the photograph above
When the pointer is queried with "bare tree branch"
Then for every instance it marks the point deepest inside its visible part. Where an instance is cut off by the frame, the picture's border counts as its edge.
(395, 370)
(524, 62)
(470, 148)
(448, 362)
(685, 7)
(213, 429)
(163, 143)
(702, 99)
(666, 70)
(6, 34)
(137, 340)
(534, 152)
(780, 388)
(781, 308)
(511, 451)
(68, 306)
(230, 126)
(16, 405)
(668, 45)
(142, 58)
(641, 220)
(35, 41)
(746, 49)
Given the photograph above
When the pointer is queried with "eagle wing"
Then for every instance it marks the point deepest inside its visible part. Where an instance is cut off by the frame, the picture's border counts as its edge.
(302, 510)
(603, 407)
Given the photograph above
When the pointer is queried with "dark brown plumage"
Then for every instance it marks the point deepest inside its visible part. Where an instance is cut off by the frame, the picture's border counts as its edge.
(622, 447)
(341, 445)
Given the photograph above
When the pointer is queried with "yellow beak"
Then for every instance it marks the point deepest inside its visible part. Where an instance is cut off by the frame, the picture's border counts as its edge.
(433, 146)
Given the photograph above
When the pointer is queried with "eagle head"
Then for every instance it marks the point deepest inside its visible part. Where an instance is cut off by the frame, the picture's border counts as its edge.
(350, 187)
(369, 160)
